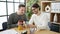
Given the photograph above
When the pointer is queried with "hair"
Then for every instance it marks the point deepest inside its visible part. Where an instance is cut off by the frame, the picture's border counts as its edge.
(21, 5)
(36, 6)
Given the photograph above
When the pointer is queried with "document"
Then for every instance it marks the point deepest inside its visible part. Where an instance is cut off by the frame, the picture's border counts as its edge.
(1, 26)
(11, 31)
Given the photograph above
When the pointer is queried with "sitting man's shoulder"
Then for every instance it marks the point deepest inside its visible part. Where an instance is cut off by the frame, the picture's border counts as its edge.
(33, 15)
(13, 14)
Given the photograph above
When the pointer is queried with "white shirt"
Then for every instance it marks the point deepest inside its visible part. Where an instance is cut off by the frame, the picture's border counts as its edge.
(40, 21)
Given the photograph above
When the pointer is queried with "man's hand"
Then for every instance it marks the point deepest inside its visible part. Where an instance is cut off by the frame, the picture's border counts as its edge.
(20, 22)
(32, 26)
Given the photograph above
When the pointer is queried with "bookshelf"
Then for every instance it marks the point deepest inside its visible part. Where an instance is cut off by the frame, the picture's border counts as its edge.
(44, 4)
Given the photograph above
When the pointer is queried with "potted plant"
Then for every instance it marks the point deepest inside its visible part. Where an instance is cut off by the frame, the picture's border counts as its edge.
(29, 4)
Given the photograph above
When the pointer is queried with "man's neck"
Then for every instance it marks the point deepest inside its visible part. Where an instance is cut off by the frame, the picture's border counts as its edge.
(19, 13)
(38, 13)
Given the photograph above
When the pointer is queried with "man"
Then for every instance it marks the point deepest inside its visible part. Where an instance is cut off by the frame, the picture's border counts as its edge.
(39, 19)
(19, 15)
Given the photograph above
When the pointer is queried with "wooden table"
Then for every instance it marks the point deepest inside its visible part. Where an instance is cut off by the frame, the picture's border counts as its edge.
(46, 32)
(38, 32)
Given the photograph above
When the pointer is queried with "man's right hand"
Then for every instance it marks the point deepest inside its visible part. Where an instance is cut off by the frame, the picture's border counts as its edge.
(31, 26)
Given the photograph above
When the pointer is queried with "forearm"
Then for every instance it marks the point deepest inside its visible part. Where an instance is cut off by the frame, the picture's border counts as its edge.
(12, 25)
(32, 26)
(42, 27)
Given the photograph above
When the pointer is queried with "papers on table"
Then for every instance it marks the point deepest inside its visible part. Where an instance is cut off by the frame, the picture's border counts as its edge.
(1, 26)
(11, 31)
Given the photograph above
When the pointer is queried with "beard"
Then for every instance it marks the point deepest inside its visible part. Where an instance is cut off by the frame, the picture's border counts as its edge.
(35, 12)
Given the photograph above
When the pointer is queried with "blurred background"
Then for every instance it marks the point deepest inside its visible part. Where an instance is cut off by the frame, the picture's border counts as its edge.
(8, 7)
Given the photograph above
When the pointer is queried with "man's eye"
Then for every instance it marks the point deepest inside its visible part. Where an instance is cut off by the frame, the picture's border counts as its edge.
(33, 9)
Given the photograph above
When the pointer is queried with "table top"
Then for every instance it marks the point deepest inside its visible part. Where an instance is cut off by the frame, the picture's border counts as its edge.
(55, 23)
(37, 32)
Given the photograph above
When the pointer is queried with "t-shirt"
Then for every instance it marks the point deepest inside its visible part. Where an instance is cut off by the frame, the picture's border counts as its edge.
(41, 21)
(13, 19)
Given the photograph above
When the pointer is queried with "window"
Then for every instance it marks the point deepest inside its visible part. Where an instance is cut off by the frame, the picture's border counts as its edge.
(8, 7)
(16, 0)
(2, 8)
(3, 19)
(22, 1)
(16, 6)
(9, 0)
(2, 0)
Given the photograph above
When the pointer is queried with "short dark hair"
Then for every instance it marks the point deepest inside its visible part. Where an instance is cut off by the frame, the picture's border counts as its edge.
(36, 6)
(21, 5)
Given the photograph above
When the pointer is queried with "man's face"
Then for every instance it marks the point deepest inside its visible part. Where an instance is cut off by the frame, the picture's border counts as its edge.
(35, 10)
(22, 10)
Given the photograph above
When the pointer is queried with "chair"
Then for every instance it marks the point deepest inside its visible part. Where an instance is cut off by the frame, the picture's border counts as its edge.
(4, 25)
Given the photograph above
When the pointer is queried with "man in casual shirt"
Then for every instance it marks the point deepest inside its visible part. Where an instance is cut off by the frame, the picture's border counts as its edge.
(38, 18)
(19, 15)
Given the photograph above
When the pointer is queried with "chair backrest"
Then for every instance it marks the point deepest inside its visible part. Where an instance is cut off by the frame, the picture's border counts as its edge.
(4, 25)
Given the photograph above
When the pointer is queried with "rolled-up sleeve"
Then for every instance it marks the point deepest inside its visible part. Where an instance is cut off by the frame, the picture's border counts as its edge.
(31, 19)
